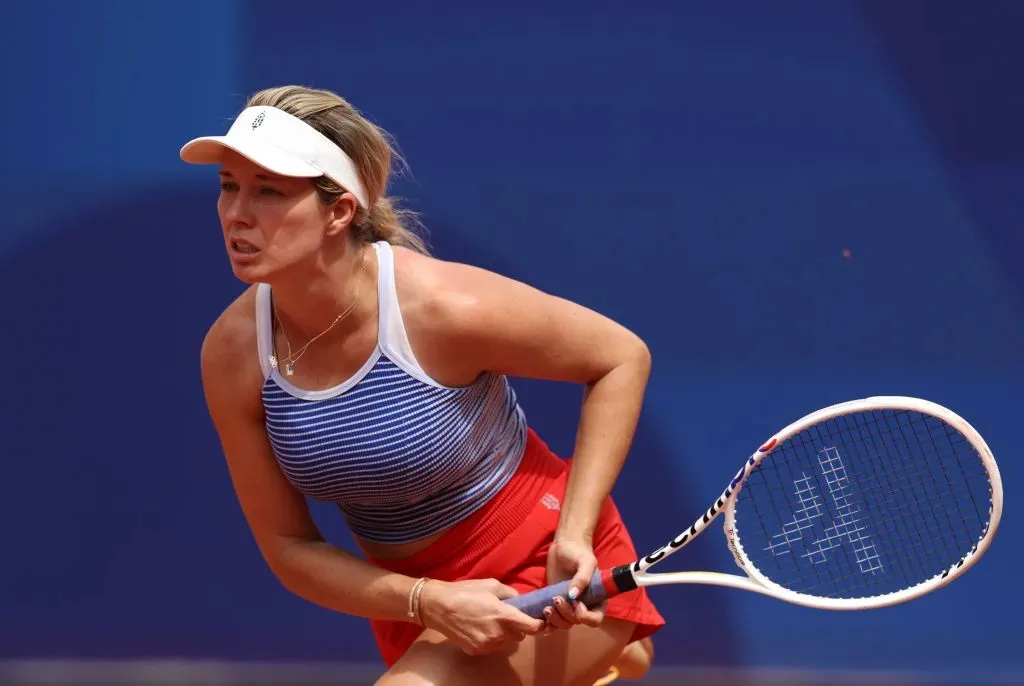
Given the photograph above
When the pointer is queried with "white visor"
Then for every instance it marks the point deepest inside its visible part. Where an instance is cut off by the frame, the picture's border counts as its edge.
(282, 144)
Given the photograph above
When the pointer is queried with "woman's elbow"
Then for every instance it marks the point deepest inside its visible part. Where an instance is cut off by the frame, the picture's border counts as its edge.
(283, 558)
(637, 355)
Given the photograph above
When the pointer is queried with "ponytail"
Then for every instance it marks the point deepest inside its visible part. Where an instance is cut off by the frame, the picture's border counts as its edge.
(386, 222)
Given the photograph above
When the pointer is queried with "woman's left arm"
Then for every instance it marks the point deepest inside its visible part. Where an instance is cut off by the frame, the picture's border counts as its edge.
(497, 324)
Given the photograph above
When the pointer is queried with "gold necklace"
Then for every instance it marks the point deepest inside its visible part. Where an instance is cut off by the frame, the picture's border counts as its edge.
(292, 358)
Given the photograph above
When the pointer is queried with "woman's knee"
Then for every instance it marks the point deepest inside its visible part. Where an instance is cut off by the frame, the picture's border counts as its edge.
(574, 657)
(635, 659)
(434, 661)
(581, 655)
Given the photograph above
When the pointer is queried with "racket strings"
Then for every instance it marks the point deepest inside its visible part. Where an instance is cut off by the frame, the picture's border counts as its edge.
(848, 572)
(930, 504)
(849, 576)
(864, 504)
(930, 473)
(917, 481)
(815, 577)
(803, 521)
(924, 497)
(916, 489)
(952, 492)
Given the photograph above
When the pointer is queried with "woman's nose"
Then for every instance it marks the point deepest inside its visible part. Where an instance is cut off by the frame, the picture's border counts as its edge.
(237, 209)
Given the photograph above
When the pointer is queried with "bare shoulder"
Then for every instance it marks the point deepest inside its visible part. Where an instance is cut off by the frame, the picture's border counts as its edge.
(440, 294)
(229, 360)
(462, 320)
(232, 331)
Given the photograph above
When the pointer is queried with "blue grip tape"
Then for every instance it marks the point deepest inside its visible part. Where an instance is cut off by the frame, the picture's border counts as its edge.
(534, 602)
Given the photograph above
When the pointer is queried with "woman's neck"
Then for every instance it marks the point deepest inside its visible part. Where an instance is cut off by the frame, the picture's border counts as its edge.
(308, 303)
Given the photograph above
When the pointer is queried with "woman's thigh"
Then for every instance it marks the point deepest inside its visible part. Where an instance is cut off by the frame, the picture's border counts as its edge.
(577, 657)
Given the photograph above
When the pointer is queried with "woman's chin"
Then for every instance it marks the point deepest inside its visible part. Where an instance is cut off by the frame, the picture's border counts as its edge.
(249, 273)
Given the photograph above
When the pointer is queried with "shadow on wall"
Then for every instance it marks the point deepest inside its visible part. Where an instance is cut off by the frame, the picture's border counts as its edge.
(133, 540)
(973, 122)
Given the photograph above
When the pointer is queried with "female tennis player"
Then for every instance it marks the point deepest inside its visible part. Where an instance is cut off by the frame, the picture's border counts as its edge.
(357, 369)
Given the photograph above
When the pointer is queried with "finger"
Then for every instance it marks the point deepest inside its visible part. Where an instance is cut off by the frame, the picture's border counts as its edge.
(517, 621)
(565, 610)
(589, 617)
(504, 592)
(556, 620)
(581, 579)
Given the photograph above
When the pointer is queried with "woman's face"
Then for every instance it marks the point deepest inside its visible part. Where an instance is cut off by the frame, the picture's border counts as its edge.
(270, 222)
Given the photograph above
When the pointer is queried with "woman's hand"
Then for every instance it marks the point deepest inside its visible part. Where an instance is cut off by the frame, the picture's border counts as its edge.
(471, 614)
(572, 559)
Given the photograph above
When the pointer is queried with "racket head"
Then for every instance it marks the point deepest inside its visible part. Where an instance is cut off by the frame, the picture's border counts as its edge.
(866, 504)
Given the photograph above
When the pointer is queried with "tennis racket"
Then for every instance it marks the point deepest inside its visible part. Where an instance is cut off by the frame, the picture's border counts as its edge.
(859, 505)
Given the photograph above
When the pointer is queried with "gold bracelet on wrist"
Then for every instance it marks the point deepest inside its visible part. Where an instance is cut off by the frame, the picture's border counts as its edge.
(414, 600)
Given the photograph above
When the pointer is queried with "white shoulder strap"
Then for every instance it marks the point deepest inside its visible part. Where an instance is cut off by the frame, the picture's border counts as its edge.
(264, 329)
(391, 335)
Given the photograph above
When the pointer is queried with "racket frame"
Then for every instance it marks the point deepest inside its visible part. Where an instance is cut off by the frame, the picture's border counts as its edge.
(624, 578)
(757, 582)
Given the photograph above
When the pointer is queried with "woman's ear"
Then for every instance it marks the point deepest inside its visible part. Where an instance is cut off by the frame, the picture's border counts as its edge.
(343, 212)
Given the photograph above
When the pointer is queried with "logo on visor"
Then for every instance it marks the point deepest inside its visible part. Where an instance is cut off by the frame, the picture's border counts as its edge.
(258, 120)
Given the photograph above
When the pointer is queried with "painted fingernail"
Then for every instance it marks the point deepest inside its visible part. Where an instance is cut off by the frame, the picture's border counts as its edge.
(573, 592)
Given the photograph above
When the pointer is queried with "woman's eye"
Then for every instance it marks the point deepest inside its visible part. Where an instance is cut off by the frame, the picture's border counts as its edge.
(266, 190)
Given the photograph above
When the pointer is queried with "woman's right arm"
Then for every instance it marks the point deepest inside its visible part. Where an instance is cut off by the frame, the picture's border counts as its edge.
(289, 540)
(277, 514)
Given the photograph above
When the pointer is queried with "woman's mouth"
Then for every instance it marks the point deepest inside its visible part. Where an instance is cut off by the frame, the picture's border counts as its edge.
(243, 248)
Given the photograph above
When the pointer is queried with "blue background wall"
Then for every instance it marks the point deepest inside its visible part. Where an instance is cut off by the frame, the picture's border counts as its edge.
(692, 169)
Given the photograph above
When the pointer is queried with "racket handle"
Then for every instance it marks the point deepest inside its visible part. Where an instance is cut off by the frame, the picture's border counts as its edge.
(534, 602)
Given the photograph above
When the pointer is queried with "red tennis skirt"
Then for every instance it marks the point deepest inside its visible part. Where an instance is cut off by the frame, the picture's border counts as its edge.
(508, 539)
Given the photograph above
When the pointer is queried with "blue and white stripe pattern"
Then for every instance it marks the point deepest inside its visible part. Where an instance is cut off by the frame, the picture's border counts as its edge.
(401, 457)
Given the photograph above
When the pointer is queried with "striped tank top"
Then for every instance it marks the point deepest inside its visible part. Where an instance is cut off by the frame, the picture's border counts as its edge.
(401, 455)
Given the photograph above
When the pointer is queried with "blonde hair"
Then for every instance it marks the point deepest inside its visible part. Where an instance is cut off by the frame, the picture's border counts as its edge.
(372, 150)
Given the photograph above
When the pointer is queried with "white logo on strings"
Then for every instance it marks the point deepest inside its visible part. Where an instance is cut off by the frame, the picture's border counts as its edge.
(847, 527)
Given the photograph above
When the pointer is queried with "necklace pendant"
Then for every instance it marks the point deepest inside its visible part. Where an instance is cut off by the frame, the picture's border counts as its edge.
(289, 369)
